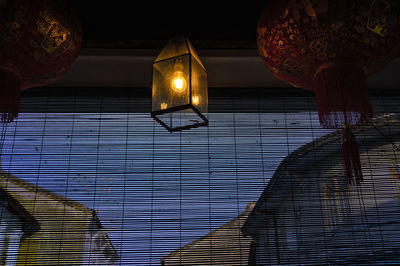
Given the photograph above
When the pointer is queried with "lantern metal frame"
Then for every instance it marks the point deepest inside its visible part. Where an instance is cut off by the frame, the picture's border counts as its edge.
(190, 106)
(154, 115)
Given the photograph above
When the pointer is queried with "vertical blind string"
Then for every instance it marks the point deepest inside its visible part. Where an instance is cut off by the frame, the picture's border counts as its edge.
(35, 203)
(152, 194)
(370, 166)
(68, 175)
(124, 187)
(264, 180)
(394, 148)
(209, 172)
(3, 137)
(290, 176)
(96, 170)
(236, 174)
(318, 175)
(180, 194)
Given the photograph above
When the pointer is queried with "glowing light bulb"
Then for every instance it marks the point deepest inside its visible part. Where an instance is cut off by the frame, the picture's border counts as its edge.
(164, 106)
(178, 83)
(195, 100)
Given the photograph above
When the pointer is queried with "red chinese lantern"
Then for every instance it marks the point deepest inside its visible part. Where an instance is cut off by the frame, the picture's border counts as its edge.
(331, 47)
(39, 41)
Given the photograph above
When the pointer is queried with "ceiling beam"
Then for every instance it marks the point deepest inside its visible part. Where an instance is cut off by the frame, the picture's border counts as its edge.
(221, 100)
(226, 68)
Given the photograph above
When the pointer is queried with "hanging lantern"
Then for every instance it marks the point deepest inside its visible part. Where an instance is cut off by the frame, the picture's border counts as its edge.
(179, 89)
(331, 47)
(39, 40)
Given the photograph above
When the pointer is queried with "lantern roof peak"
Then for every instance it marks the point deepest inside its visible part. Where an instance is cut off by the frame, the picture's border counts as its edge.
(178, 46)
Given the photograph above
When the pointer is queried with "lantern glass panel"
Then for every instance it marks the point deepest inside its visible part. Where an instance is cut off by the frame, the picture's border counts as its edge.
(199, 97)
(171, 83)
(174, 47)
(194, 54)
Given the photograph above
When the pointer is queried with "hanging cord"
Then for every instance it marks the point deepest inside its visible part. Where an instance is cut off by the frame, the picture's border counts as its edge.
(386, 137)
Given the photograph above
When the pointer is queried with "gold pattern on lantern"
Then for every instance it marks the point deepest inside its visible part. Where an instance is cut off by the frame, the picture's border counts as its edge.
(379, 17)
(56, 37)
(319, 48)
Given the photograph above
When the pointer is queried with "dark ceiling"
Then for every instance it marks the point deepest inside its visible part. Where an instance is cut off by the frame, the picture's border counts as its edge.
(118, 23)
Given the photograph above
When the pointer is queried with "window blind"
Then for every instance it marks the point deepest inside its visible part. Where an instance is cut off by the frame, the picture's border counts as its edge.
(157, 195)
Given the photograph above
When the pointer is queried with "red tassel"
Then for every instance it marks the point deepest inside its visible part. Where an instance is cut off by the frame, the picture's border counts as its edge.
(351, 157)
(342, 95)
(343, 99)
(10, 94)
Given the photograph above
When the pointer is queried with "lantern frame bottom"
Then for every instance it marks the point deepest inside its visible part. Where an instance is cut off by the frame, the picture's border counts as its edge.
(155, 115)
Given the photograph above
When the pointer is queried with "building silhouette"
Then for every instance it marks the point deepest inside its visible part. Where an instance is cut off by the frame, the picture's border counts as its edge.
(39, 227)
